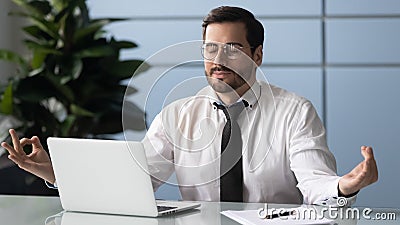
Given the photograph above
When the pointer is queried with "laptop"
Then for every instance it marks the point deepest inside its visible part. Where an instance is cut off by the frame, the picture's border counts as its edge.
(106, 176)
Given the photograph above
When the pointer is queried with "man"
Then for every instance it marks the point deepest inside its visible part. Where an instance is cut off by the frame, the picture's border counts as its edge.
(238, 139)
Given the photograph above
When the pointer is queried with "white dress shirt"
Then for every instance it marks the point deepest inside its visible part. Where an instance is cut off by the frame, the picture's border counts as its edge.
(285, 155)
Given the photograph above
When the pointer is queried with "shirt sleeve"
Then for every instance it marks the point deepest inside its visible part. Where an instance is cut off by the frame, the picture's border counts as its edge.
(311, 161)
(52, 186)
(159, 153)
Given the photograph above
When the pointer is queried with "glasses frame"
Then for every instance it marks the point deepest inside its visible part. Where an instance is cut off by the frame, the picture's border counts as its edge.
(226, 47)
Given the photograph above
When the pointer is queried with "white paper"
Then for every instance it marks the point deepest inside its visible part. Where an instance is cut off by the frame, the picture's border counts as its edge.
(251, 217)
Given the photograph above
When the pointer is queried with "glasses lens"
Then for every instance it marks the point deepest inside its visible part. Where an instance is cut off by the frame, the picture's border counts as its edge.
(231, 51)
(209, 50)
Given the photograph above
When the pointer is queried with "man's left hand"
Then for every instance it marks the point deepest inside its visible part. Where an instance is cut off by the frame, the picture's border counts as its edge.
(362, 175)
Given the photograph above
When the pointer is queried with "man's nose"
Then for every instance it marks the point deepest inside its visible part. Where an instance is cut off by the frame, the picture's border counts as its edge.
(220, 58)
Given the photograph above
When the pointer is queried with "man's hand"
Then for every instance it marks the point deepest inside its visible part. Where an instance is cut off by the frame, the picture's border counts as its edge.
(37, 162)
(362, 175)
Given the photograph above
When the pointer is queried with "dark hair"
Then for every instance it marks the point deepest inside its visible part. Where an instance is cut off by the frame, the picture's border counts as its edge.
(255, 30)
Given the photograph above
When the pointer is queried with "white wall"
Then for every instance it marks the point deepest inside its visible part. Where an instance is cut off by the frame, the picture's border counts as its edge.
(5, 37)
(10, 36)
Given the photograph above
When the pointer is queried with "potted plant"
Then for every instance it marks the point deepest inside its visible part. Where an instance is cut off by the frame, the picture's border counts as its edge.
(71, 84)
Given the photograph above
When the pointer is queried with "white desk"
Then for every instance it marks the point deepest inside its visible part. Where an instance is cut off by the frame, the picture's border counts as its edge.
(33, 210)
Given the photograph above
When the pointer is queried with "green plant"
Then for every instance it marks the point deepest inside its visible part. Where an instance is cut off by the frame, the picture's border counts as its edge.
(71, 84)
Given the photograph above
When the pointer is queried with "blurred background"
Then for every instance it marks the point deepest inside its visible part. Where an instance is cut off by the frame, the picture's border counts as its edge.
(343, 55)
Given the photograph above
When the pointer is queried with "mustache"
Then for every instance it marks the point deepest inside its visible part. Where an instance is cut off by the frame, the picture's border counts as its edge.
(220, 68)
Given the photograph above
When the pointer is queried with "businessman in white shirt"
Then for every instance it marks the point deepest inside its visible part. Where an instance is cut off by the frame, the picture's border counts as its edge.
(238, 139)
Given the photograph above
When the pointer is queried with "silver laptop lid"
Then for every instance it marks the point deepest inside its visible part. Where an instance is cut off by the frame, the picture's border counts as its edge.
(102, 176)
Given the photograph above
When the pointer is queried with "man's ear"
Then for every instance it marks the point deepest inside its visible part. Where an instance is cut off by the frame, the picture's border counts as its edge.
(258, 55)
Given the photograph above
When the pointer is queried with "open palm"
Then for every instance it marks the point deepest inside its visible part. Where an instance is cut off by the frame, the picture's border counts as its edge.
(364, 174)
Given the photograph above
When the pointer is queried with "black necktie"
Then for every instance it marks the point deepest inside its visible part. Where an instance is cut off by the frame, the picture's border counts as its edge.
(231, 172)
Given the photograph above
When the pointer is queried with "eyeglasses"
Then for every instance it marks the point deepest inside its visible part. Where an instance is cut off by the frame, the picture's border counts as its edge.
(231, 50)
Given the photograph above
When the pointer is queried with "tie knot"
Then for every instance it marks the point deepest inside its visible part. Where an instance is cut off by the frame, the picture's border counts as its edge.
(233, 111)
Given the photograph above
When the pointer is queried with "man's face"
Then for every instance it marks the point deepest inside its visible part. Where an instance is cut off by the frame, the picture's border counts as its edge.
(224, 73)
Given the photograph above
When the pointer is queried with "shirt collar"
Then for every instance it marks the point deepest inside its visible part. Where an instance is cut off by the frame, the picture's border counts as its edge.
(251, 96)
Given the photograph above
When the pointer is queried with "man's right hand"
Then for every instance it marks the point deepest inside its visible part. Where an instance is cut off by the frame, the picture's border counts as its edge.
(37, 162)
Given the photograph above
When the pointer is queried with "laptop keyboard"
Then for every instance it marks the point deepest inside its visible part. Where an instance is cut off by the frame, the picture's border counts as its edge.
(162, 208)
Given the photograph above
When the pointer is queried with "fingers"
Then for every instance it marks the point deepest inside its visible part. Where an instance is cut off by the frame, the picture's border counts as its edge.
(35, 141)
(16, 143)
(370, 170)
(25, 141)
(17, 150)
(19, 144)
(9, 148)
(14, 156)
(17, 160)
(367, 152)
(364, 174)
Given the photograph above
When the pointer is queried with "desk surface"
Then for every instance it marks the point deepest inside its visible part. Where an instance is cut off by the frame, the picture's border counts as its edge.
(33, 210)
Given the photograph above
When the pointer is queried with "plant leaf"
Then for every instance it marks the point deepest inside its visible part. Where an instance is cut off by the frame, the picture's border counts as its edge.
(98, 97)
(76, 68)
(59, 5)
(108, 124)
(111, 120)
(38, 59)
(36, 71)
(64, 10)
(64, 90)
(37, 33)
(143, 67)
(6, 103)
(41, 47)
(12, 57)
(42, 121)
(89, 30)
(61, 15)
(133, 118)
(111, 20)
(39, 8)
(125, 69)
(84, 12)
(65, 79)
(123, 44)
(42, 7)
(15, 58)
(48, 27)
(34, 89)
(79, 111)
(67, 124)
(99, 51)
(130, 90)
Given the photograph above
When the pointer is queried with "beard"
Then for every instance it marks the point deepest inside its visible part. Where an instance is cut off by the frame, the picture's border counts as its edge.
(221, 86)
